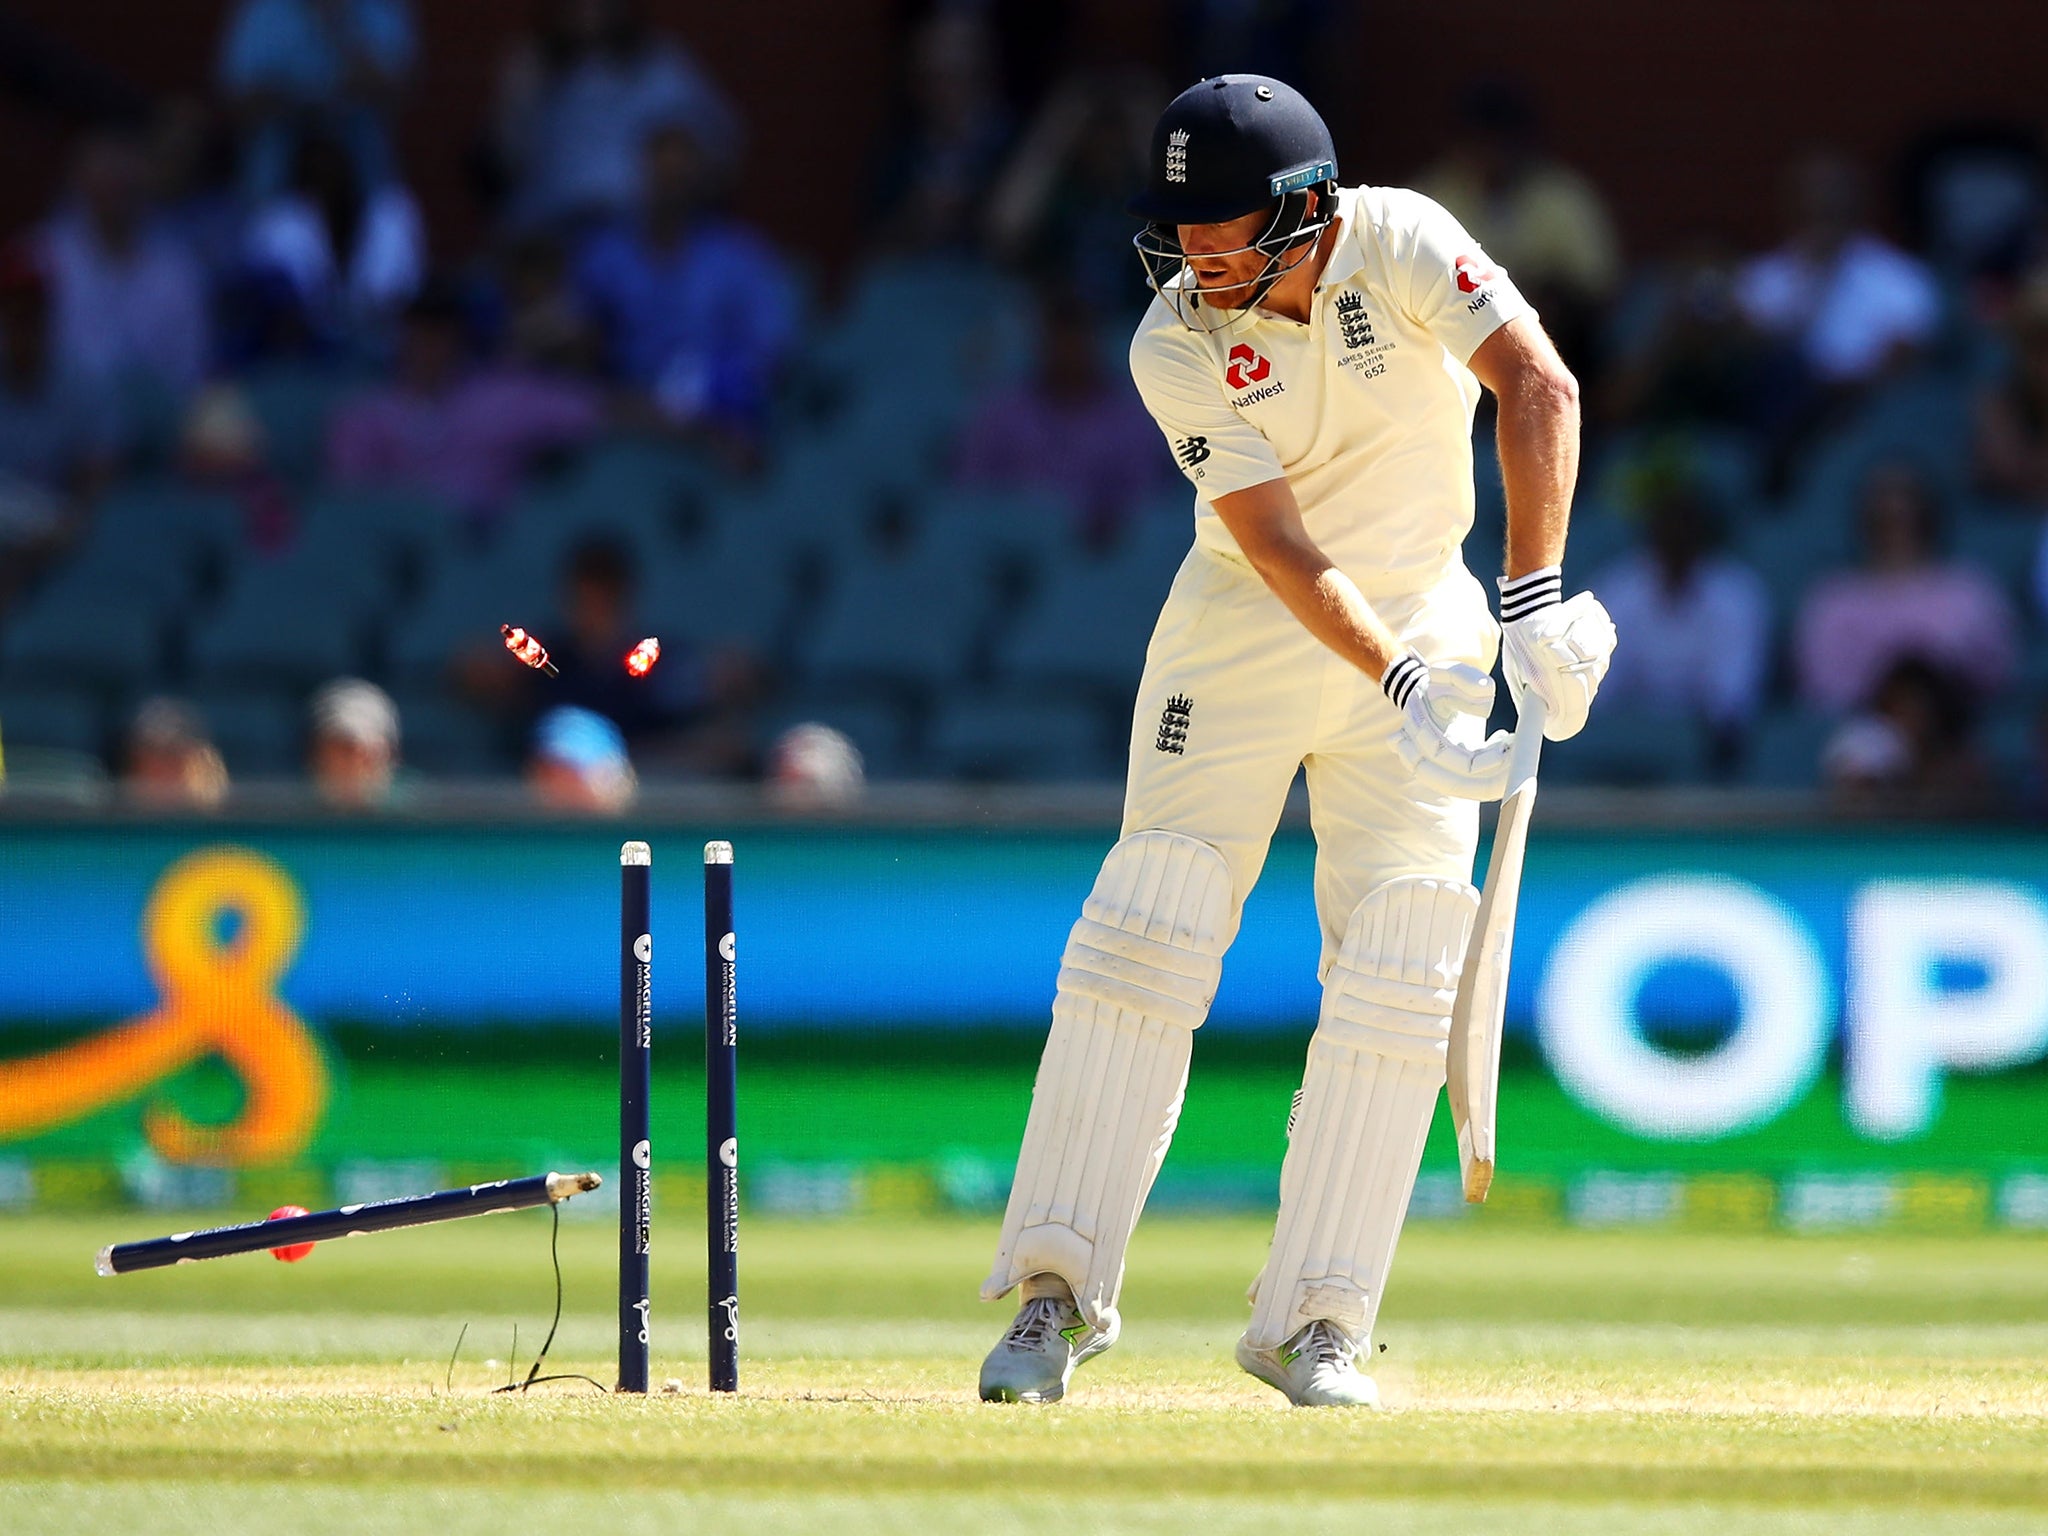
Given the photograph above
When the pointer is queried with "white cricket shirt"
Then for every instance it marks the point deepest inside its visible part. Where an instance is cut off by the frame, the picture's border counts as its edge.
(1366, 410)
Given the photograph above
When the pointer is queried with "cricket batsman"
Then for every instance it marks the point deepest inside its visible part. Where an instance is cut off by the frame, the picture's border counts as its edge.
(1314, 355)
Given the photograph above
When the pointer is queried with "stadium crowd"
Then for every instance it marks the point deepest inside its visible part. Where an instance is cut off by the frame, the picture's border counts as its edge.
(273, 468)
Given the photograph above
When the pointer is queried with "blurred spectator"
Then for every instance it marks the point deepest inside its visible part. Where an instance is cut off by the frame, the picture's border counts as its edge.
(171, 762)
(1057, 210)
(1977, 200)
(692, 715)
(190, 160)
(353, 748)
(812, 767)
(336, 65)
(353, 252)
(1071, 428)
(56, 449)
(1678, 353)
(594, 624)
(224, 447)
(576, 101)
(262, 321)
(1541, 220)
(579, 763)
(1913, 749)
(1846, 302)
(130, 306)
(1904, 600)
(1698, 622)
(223, 438)
(947, 144)
(445, 428)
(696, 310)
(544, 324)
(2012, 415)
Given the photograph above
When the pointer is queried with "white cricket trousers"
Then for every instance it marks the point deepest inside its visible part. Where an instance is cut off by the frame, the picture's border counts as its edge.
(1237, 694)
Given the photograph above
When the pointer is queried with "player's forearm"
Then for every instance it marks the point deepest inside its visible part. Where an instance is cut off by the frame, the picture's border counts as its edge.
(1327, 602)
(1538, 442)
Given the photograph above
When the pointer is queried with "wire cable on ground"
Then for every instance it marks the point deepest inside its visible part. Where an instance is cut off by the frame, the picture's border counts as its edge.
(533, 1375)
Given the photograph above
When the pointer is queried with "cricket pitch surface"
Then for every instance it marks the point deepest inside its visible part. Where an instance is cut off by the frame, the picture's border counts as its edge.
(1537, 1380)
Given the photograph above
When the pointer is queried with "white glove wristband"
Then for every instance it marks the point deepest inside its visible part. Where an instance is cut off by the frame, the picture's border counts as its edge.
(1428, 700)
(1404, 674)
(1528, 593)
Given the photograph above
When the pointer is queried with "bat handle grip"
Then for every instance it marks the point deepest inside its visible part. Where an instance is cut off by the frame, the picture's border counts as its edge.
(1530, 714)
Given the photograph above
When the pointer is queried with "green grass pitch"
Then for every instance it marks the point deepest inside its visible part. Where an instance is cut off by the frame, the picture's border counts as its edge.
(1538, 1381)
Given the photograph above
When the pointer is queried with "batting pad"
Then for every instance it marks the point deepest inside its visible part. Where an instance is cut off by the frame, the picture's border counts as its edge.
(1375, 1065)
(1135, 984)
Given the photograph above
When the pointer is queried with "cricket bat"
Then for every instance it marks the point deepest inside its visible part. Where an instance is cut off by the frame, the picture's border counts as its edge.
(1481, 1006)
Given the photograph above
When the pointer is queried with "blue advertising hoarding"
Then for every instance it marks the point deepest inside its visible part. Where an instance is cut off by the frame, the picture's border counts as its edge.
(1681, 987)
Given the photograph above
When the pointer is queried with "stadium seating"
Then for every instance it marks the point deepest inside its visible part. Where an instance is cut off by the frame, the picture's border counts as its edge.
(56, 717)
(1784, 749)
(1638, 749)
(903, 613)
(948, 630)
(84, 635)
(1087, 624)
(1790, 551)
(260, 731)
(2001, 541)
(293, 623)
(2013, 734)
(156, 541)
(442, 737)
(733, 592)
(1009, 736)
(293, 404)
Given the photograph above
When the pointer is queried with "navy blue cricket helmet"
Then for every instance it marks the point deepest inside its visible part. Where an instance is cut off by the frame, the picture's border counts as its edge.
(1223, 148)
(1230, 146)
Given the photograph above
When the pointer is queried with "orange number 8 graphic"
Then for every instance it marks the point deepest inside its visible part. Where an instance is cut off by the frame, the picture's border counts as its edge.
(216, 998)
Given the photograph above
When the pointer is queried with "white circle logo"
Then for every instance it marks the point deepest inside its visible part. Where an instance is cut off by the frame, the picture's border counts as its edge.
(643, 1155)
(643, 948)
(725, 948)
(1586, 1007)
(729, 1152)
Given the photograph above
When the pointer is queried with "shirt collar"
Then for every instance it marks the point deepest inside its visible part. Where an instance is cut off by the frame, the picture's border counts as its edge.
(1346, 259)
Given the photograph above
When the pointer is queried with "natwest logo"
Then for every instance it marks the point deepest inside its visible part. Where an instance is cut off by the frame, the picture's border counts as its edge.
(1473, 274)
(1246, 367)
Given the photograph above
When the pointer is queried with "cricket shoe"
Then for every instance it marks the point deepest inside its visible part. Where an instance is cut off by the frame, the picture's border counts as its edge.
(1314, 1369)
(1034, 1361)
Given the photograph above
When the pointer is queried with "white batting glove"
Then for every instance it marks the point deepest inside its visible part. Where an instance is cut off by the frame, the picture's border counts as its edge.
(1558, 651)
(1430, 699)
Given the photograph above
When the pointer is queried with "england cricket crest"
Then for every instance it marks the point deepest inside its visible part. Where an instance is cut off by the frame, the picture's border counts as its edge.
(1177, 155)
(1174, 720)
(1353, 320)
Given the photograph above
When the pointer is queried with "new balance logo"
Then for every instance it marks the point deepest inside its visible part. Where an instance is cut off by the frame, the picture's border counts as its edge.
(1173, 724)
(1191, 450)
(1352, 319)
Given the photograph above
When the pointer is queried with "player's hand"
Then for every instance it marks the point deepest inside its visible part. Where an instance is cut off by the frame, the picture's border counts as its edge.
(1430, 700)
(1558, 651)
